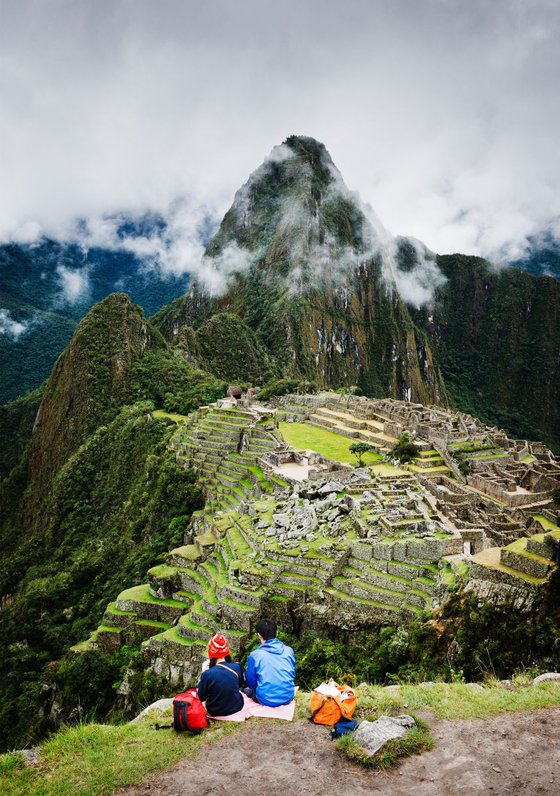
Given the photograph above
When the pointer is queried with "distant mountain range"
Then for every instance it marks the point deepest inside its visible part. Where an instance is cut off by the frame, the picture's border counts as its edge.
(46, 288)
(542, 257)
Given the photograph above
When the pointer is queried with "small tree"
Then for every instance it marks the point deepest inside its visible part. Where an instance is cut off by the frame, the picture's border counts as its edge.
(358, 449)
(405, 450)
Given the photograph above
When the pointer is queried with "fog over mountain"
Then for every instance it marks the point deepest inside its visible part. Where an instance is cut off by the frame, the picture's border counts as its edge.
(442, 114)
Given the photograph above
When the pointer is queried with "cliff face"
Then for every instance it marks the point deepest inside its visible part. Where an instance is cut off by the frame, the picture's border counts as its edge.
(87, 382)
(496, 335)
(297, 259)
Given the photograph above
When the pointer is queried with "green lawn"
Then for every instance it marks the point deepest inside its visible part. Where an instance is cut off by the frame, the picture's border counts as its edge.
(302, 436)
(547, 524)
(386, 468)
(159, 413)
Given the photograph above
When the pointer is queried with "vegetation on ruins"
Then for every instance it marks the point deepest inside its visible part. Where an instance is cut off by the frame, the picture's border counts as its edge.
(285, 386)
(302, 436)
(405, 449)
(358, 449)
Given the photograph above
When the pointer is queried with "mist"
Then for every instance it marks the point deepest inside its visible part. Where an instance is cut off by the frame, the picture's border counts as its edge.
(443, 115)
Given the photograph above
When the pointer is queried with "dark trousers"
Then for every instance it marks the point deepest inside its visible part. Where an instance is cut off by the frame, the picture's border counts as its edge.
(251, 692)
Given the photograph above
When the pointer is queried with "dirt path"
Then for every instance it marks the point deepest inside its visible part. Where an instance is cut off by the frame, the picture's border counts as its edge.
(516, 753)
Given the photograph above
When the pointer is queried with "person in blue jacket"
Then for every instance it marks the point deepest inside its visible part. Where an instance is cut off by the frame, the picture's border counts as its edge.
(271, 668)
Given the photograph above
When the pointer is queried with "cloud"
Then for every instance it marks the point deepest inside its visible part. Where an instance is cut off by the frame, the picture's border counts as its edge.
(418, 285)
(10, 327)
(214, 272)
(316, 256)
(74, 284)
(171, 239)
(442, 114)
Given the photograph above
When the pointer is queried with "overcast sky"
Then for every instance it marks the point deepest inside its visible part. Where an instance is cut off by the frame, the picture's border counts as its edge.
(443, 114)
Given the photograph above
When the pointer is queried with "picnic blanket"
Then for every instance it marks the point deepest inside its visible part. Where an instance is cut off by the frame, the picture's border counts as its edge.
(252, 708)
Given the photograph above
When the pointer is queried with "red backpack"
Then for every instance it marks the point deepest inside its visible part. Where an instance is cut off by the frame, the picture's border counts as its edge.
(188, 712)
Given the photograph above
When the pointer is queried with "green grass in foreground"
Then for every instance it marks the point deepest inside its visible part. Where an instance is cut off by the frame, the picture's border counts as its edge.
(459, 700)
(416, 741)
(302, 436)
(95, 759)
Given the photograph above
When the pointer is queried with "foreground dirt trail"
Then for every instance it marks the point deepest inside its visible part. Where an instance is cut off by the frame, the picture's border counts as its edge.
(516, 753)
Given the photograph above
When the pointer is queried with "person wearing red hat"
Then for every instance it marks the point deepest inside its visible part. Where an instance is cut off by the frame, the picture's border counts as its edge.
(219, 685)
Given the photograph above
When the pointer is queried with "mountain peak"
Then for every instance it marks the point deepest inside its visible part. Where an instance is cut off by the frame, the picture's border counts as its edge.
(294, 216)
(87, 380)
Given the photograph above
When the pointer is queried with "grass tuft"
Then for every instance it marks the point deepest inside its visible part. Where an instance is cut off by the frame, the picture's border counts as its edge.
(416, 741)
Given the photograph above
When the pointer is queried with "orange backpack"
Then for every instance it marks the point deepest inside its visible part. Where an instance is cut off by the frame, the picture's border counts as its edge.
(329, 709)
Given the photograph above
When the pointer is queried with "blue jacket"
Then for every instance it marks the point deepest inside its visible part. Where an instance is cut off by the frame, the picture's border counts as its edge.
(271, 670)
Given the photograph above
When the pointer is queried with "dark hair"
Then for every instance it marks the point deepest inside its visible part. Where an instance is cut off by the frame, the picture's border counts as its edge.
(266, 628)
(214, 661)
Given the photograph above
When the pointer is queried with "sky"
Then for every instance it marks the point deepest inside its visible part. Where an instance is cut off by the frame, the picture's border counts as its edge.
(442, 114)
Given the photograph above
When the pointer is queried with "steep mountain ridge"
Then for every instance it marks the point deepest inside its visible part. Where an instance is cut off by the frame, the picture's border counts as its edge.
(323, 286)
(94, 494)
(48, 286)
(312, 276)
(88, 379)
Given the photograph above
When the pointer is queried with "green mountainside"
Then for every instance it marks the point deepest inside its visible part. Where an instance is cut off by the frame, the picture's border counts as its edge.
(32, 279)
(134, 508)
(313, 278)
(95, 495)
(496, 336)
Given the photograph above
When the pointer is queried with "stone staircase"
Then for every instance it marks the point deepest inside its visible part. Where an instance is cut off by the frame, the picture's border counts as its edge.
(431, 461)
(197, 592)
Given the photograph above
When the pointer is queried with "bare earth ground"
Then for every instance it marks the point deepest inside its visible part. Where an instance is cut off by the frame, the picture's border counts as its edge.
(515, 753)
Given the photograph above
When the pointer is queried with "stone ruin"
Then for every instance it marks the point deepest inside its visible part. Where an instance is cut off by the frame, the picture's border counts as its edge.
(341, 547)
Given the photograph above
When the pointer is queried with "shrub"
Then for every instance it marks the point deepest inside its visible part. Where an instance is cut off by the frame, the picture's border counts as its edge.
(358, 449)
(405, 450)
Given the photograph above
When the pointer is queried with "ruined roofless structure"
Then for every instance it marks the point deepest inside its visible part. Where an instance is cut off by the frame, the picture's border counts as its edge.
(310, 540)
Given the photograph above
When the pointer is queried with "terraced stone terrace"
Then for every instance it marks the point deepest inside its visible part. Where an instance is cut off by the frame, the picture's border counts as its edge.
(342, 547)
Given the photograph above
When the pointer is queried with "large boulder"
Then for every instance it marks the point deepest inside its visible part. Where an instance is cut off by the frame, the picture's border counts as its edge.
(372, 735)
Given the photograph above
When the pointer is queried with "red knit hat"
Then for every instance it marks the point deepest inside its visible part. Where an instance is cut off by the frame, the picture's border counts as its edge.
(218, 646)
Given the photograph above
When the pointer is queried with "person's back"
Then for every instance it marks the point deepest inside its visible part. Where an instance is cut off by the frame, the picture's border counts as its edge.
(219, 685)
(271, 668)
